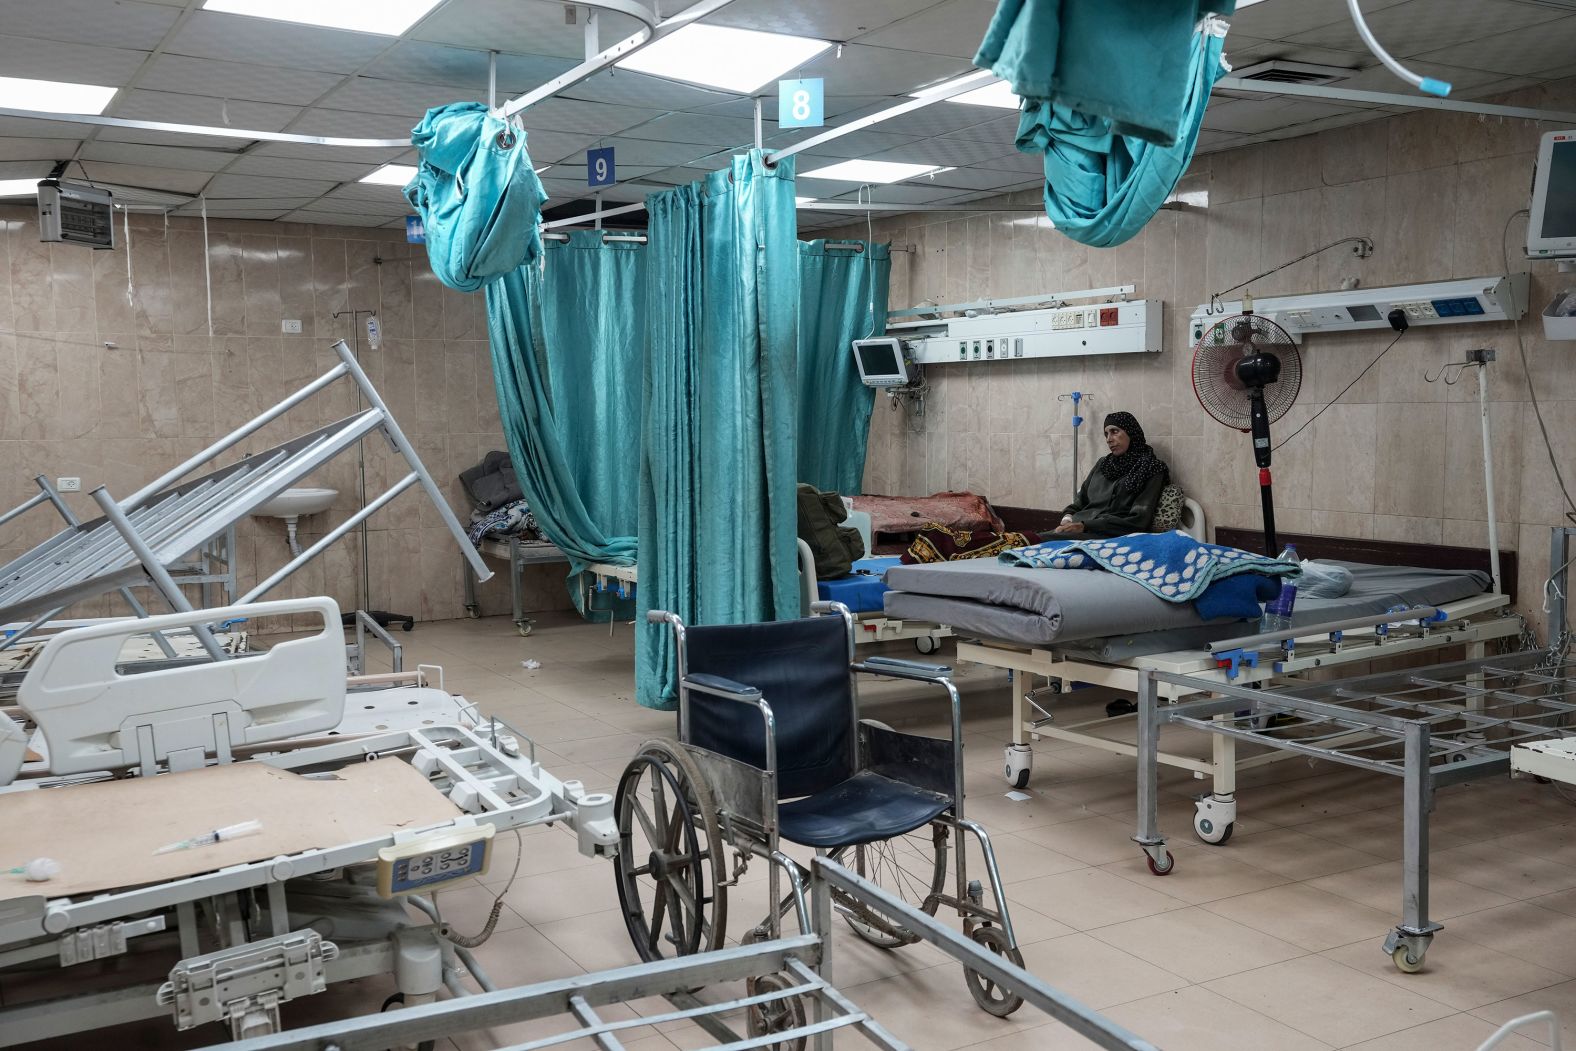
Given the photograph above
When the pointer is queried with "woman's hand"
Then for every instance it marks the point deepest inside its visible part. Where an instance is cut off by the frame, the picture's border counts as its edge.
(1070, 527)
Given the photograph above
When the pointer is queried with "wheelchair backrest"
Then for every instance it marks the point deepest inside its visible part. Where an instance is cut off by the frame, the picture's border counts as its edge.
(801, 669)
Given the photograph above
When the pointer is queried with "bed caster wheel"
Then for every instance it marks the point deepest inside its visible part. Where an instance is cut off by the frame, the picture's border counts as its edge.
(473, 612)
(1215, 820)
(1406, 961)
(523, 627)
(1161, 867)
(1020, 763)
(990, 996)
(408, 624)
(927, 644)
(775, 1016)
(398, 1000)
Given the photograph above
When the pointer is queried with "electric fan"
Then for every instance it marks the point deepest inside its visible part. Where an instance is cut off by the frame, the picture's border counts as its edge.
(1246, 374)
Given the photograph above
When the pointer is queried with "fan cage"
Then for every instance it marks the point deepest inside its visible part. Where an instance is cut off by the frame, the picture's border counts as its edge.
(1215, 381)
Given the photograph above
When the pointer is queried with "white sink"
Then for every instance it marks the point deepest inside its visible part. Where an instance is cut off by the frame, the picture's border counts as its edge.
(293, 503)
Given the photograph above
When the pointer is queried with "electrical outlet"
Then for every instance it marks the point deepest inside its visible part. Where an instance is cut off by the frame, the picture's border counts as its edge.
(290, 328)
(68, 485)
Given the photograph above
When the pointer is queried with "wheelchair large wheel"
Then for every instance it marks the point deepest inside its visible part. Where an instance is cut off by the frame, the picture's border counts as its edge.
(670, 854)
(912, 867)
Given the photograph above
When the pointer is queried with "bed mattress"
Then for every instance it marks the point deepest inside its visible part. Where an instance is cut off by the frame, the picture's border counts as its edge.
(1112, 618)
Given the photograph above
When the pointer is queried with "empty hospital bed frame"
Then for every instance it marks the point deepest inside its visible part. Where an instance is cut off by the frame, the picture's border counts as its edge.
(234, 949)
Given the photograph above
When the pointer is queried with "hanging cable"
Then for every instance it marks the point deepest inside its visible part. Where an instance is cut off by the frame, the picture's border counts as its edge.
(130, 295)
(1287, 440)
(1364, 249)
(1427, 85)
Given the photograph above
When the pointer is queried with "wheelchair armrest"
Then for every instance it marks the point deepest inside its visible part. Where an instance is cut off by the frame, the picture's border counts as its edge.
(718, 686)
(903, 669)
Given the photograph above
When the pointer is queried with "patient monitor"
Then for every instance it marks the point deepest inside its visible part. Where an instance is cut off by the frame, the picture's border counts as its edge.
(882, 362)
(1551, 230)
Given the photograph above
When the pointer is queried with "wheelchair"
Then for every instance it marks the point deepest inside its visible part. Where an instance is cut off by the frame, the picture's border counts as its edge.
(771, 747)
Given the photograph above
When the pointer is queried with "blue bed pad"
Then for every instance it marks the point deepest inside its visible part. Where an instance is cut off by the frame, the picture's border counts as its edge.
(862, 590)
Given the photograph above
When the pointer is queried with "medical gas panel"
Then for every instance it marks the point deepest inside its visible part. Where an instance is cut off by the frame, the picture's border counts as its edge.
(1060, 332)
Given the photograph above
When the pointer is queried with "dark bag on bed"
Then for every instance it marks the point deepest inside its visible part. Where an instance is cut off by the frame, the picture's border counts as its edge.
(491, 483)
(834, 546)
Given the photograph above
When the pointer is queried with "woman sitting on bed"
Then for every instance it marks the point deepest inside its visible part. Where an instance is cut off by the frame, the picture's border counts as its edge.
(1120, 494)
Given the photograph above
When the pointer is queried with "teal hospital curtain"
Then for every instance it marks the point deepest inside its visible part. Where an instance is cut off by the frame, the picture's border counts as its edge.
(556, 457)
(1118, 133)
(718, 518)
(843, 297)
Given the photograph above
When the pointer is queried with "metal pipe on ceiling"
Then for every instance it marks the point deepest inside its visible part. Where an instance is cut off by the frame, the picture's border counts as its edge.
(977, 79)
(1384, 98)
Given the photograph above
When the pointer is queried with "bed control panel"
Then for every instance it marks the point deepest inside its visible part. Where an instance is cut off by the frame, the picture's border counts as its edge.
(435, 860)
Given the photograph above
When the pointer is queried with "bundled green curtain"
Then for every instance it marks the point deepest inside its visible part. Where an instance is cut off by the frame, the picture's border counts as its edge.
(843, 297)
(1106, 176)
(718, 517)
(557, 454)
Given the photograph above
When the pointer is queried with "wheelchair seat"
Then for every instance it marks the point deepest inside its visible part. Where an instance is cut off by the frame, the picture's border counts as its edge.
(866, 808)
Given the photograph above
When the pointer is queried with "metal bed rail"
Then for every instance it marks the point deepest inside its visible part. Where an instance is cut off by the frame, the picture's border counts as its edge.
(801, 963)
(1430, 727)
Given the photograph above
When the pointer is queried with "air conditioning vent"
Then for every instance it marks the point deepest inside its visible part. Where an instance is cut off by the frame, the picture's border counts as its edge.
(1281, 71)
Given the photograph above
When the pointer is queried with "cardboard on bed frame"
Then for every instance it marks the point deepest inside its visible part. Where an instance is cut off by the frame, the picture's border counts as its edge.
(1378, 552)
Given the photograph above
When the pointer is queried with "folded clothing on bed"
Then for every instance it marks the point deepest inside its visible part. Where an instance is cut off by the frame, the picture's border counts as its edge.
(512, 519)
(907, 514)
(1173, 566)
(940, 544)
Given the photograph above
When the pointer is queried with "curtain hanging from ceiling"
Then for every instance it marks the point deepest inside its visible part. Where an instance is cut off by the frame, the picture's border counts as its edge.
(1106, 176)
(560, 459)
(843, 297)
(476, 193)
(718, 517)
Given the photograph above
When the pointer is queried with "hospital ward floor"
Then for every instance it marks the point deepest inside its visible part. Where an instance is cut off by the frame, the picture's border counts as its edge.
(1269, 943)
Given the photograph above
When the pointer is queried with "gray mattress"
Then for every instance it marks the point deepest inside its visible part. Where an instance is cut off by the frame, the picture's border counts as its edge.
(1112, 618)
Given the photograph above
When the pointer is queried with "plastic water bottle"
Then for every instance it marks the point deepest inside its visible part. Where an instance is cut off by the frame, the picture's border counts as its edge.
(1278, 610)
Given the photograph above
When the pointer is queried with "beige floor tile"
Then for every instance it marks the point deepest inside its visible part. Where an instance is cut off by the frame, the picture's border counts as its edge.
(931, 1010)
(1456, 1033)
(1098, 974)
(563, 894)
(1094, 840)
(1329, 1001)
(1498, 867)
(1197, 944)
(1295, 854)
(1524, 930)
(1379, 887)
(597, 941)
(1561, 999)
(1305, 916)
(1018, 858)
(1196, 1019)
(1090, 898)
(1200, 874)
(1457, 973)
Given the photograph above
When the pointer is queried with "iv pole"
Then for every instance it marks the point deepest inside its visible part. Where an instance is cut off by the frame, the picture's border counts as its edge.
(383, 617)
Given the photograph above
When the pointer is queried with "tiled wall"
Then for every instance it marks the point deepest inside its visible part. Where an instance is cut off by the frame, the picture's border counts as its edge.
(1397, 458)
(116, 384)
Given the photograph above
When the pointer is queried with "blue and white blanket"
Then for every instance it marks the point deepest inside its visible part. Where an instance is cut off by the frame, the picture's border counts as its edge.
(1172, 565)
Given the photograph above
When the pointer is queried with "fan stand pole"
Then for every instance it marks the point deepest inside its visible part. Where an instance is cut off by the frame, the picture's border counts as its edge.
(1267, 498)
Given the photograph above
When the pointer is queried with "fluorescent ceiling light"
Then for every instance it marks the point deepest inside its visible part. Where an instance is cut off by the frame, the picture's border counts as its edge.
(391, 175)
(53, 96)
(872, 171)
(997, 93)
(803, 200)
(386, 17)
(738, 60)
(18, 187)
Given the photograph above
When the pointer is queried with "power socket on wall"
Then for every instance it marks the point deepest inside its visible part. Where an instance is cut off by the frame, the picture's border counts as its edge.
(68, 485)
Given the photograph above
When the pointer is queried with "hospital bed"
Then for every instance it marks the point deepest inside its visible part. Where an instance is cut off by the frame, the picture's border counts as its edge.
(1077, 626)
(518, 553)
(354, 821)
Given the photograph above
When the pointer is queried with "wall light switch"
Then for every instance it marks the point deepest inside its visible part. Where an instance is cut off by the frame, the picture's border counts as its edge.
(290, 328)
(68, 485)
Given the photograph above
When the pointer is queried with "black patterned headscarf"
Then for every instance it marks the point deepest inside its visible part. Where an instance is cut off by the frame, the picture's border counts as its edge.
(1132, 470)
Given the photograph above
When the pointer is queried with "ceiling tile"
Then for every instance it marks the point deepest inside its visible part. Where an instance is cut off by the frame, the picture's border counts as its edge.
(32, 149)
(396, 97)
(174, 108)
(1418, 26)
(415, 60)
(1517, 52)
(29, 128)
(639, 153)
(149, 178)
(1000, 129)
(158, 156)
(235, 186)
(70, 63)
(34, 168)
(854, 144)
(281, 204)
(349, 169)
(527, 28)
(307, 151)
(820, 19)
(1246, 118)
(916, 192)
(940, 151)
(312, 215)
(954, 27)
(339, 122)
(262, 215)
(235, 80)
(941, 118)
(124, 24)
(1028, 163)
(585, 118)
(706, 129)
(835, 106)
(866, 70)
(626, 88)
(269, 42)
(1279, 19)
(553, 147)
(983, 179)
(338, 202)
